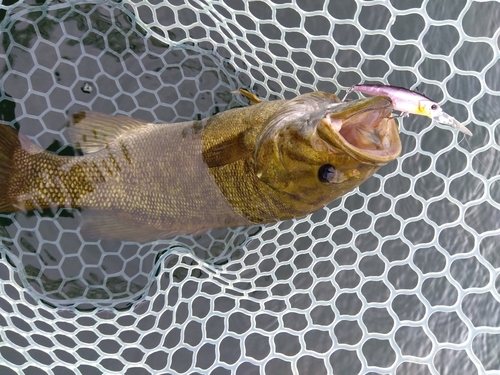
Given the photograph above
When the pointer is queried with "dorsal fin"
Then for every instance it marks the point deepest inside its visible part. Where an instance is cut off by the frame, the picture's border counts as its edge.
(93, 131)
(254, 99)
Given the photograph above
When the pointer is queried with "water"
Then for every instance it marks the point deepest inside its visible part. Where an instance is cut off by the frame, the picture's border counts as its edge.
(400, 275)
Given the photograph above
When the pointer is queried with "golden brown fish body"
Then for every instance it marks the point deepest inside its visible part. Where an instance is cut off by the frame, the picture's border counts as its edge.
(267, 162)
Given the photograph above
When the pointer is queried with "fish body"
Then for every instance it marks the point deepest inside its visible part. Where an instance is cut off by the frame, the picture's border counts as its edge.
(267, 162)
(408, 101)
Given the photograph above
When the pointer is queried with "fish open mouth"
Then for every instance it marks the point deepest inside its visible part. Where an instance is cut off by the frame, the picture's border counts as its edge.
(364, 129)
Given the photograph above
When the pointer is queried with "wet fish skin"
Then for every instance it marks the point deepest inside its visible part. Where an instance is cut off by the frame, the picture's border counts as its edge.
(257, 164)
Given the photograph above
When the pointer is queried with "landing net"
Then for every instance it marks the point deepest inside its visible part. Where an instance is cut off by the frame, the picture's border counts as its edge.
(399, 276)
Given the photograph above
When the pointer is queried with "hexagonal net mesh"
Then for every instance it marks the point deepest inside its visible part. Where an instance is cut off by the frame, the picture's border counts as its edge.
(399, 276)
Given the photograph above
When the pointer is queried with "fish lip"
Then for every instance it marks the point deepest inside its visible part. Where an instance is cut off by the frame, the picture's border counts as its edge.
(368, 119)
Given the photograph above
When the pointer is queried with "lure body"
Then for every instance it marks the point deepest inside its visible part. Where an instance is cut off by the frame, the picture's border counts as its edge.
(408, 101)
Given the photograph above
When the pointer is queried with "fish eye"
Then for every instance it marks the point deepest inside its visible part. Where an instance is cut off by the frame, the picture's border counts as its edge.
(434, 107)
(326, 173)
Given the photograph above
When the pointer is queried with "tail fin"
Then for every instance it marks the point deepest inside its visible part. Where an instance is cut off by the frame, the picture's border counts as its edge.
(9, 142)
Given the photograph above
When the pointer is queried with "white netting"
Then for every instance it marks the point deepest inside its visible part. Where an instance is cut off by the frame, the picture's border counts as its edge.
(400, 276)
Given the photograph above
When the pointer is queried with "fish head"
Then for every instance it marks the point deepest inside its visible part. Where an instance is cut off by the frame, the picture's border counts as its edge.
(317, 149)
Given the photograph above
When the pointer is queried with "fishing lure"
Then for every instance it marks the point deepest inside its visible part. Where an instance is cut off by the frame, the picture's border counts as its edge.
(408, 101)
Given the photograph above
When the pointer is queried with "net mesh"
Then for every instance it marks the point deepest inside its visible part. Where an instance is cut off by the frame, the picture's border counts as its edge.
(399, 276)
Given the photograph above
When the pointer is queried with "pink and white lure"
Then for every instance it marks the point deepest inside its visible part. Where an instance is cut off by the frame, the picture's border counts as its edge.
(408, 101)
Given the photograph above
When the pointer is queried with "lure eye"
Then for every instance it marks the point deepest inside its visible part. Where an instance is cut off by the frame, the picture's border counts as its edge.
(434, 107)
(326, 173)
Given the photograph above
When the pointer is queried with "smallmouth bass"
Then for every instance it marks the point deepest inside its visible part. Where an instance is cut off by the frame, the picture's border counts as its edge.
(271, 161)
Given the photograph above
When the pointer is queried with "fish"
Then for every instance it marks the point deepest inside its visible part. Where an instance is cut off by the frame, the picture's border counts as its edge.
(407, 101)
(262, 163)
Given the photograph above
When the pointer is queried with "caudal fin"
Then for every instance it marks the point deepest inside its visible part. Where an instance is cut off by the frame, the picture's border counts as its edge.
(9, 143)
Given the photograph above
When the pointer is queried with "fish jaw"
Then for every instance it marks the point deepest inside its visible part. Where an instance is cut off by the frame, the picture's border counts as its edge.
(364, 129)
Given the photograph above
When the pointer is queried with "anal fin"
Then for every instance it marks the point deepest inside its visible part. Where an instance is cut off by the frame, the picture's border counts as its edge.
(118, 226)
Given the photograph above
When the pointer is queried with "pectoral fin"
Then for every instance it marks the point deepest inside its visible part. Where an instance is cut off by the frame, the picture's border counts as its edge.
(226, 152)
(93, 131)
